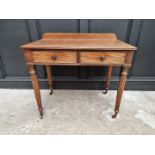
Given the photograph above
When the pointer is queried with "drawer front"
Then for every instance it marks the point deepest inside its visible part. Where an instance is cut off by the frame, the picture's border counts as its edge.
(55, 57)
(102, 57)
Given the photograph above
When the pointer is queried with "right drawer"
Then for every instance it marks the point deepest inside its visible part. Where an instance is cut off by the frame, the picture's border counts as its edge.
(102, 57)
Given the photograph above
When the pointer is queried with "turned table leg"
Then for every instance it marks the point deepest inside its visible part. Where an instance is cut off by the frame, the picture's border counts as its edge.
(49, 77)
(108, 76)
(121, 85)
(36, 88)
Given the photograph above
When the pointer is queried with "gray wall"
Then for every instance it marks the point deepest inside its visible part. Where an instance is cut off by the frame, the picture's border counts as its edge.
(14, 74)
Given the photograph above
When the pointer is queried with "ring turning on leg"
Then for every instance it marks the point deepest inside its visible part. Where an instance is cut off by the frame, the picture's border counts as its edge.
(36, 88)
(121, 85)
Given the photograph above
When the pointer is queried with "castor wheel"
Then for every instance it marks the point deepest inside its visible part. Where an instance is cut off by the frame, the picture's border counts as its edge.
(115, 114)
(106, 91)
(51, 92)
(41, 115)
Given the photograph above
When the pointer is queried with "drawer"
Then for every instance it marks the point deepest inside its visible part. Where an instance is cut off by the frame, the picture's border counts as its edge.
(54, 57)
(102, 57)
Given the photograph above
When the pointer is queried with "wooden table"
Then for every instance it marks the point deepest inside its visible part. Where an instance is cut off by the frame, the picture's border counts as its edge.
(79, 49)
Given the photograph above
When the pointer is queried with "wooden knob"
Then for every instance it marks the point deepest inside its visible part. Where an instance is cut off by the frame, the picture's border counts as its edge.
(54, 57)
(102, 58)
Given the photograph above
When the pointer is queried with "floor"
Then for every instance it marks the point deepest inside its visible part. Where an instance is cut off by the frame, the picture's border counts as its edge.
(76, 112)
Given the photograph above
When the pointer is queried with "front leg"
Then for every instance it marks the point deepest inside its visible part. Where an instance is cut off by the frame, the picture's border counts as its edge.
(36, 88)
(121, 85)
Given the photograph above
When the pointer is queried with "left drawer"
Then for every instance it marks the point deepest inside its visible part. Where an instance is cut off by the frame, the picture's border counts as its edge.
(55, 57)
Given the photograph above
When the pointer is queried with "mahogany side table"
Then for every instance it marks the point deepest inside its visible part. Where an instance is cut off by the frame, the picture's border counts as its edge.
(79, 49)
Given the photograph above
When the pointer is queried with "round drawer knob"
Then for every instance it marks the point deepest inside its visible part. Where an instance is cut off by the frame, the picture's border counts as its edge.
(102, 58)
(54, 57)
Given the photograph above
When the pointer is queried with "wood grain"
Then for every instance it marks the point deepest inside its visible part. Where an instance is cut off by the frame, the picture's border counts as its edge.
(102, 57)
(36, 88)
(107, 36)
(91, 41)
(108, 77)
(56, 57)
(79, 50)
(28, 55)
(49, 75)
(121, 86)
(81, 44)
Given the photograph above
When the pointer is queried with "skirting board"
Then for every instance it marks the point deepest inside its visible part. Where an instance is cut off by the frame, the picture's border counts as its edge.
(134, 83)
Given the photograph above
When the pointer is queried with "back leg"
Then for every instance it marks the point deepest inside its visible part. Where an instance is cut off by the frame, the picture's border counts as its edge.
(49, 77)
(108, 77)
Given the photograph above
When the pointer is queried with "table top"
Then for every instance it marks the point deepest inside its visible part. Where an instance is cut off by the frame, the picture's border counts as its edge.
(79, 41)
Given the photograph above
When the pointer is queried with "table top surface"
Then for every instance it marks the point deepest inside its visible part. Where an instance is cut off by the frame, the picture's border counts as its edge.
(81, 43)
